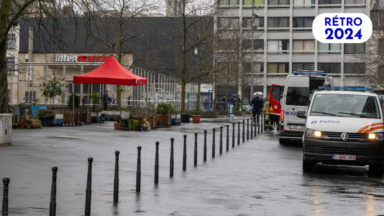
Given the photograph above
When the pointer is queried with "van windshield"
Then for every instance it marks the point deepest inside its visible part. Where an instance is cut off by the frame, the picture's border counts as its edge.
(297, 96)
(342, 105)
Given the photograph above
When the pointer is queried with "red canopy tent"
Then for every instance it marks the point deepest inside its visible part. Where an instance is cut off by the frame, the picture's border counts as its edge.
(111, 72)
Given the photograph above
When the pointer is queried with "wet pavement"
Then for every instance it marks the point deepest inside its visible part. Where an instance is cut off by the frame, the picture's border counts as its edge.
(258, 177)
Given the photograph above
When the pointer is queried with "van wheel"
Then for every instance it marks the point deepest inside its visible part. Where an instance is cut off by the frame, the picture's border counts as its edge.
(307, 166)
(375, 170)
(282, 141)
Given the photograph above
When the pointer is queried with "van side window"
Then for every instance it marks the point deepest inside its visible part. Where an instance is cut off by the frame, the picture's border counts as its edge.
(298, 96)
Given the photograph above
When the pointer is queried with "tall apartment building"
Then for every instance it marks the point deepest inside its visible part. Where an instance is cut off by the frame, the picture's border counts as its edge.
(284, 43)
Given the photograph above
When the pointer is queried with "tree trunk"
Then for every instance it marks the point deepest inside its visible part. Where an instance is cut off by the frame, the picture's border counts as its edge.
(4, 15)
(198, 96)
(184, 70)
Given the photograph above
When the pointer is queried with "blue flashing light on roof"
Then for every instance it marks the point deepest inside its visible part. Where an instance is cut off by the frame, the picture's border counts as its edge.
(309, 73)
(344, 88)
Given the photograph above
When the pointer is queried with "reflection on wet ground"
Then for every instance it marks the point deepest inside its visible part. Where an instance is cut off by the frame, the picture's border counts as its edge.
(258, 177)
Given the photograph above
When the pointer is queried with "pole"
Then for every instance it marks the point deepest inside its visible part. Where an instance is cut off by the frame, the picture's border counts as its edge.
(195, 155)
(247, 129)
(52, 206)
(238, 133)
(157, 163)
(221, 139)
(116, 180)
(172, 160)
(253, 19)
(233, 135)
(205, 145)
(185, 153)
(243, 130)
(213, 143)
(251, 129)
(138, 170)
(227, 138)
(89, 189)
(4, 210)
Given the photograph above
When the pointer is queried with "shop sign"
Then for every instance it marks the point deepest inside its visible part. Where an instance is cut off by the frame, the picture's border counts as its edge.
(77, 59)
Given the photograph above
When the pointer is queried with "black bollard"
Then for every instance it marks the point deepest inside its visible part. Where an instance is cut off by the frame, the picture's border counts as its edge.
(258, 124)
(247, 129)
(243, 131)
(52, 205)
(227, 137)
(254, 120)
(205, 145)
(221, 140)
(195, 152)
(251, 130)
(185, 153)
(233, 135)
(138, 170)
(238, 133)
(263, 121)
(116, 180)
(157, 163)
(4, 210)
(172, 160)
(213, 143)
(88, 192)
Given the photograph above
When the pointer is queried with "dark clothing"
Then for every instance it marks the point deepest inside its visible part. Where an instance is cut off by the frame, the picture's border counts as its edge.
(104, 98)
(257, 103)
(256, 114)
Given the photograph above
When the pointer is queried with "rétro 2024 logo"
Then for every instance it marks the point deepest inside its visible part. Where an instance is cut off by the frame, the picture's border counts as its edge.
(342, 28)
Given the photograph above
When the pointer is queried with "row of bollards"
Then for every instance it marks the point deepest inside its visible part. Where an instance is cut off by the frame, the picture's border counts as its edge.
(52, 207)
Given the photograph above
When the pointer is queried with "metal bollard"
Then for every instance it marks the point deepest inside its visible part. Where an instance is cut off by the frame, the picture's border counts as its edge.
(251, 129)
(258, 124)
(205, 145)
(254, 120)
(116, 180)
(172, 160)
(247, 129)
(52, 205)
(213, 143)
(263, 122)
(233, 135)
(138, 170)
(195, 153)
(157, 163)
(185, 153)
(243, 131)
(89, 189)
(221, 140)
(238, 133)
(4, 210)
(227, 137)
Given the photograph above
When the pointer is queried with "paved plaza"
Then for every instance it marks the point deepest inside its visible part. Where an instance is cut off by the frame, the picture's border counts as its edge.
(257, 177)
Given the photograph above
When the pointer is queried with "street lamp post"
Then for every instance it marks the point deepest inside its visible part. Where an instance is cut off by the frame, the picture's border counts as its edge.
(254, 27)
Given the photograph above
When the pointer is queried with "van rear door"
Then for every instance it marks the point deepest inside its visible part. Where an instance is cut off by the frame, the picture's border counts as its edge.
(274, 99)
(297, 98)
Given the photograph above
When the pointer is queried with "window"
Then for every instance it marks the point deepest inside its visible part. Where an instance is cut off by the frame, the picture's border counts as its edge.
(303, 46)
(329, 67)
(95, 88)
(329, 3)
(354, 68)
(278, 23)
(230, 22)
(227, 66)
(303, 3)
(278, 3)
(354, 48)
(258, 21)
(329, 48)
(278, 46)
(227, 44)
(297, 96)
(11, 66)
(229, 3)
(258, 67)
(11, 41)
(278, 67)
(303, 66)
(257, 45)
(377, 17)
(256, 2)
(30, 96)
(302, 23)
(354, 3)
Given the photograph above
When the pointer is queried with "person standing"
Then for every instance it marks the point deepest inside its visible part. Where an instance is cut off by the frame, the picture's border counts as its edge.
(104, 100)
(257, 103)
(267, 120)
(223, 102)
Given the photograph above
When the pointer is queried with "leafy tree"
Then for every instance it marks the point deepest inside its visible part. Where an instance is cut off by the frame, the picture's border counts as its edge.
(70, 102)
(95, 97)
(52, 88)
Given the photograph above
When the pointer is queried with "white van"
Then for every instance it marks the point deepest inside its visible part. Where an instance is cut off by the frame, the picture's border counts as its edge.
(297, 95)
(344, 127)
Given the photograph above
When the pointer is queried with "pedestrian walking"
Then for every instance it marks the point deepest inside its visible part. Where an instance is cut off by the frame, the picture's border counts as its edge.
(104, 100)
(257, 103)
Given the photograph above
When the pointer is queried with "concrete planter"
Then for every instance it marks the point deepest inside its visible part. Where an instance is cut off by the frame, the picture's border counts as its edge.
(209, 115)
(237, 113)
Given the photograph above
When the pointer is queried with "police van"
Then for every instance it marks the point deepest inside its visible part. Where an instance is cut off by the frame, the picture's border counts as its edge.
(298, 91)
(344, 127)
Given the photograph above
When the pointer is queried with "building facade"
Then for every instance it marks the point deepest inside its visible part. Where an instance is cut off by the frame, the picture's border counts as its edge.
(284, 43)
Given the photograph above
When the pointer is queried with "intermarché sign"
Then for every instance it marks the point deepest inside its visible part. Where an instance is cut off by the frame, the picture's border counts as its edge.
(77, 59)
